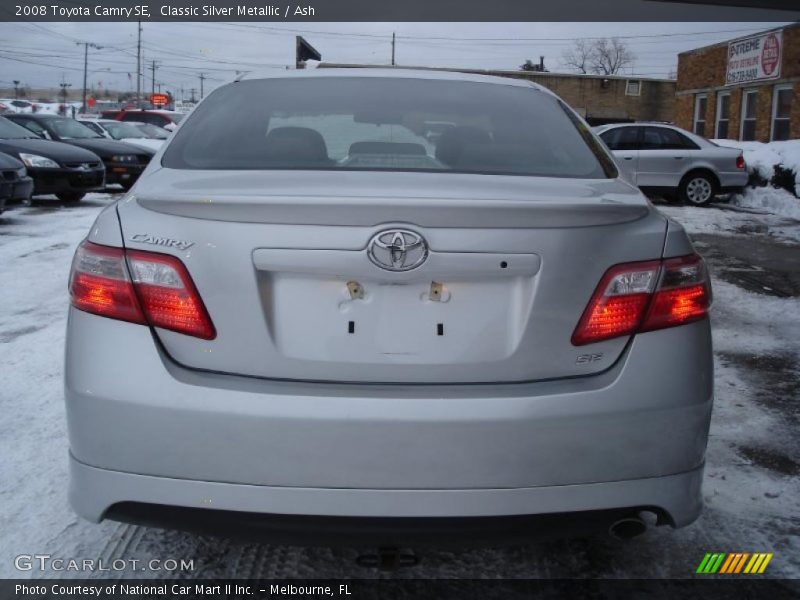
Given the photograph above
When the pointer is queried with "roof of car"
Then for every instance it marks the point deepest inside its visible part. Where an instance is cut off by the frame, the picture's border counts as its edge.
(157, 111)
(38, 116)
(639, 124)
(393, 73)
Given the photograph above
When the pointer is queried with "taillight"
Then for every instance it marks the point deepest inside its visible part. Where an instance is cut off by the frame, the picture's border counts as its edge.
(637, 297)
(151, 289)
(99, 283)
(740, 164)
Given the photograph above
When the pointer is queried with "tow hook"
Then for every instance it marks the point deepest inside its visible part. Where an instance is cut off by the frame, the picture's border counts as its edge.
(388, 559)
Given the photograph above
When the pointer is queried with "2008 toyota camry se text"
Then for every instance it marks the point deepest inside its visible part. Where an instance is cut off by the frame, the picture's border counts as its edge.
(390, 305)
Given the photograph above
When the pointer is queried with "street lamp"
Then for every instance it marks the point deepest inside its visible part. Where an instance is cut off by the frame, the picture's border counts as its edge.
(63, 92)
(85, 67)
(16, 89)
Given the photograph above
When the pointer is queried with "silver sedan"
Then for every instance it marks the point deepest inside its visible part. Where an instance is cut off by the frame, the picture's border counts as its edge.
(311, 315)
(667, 159)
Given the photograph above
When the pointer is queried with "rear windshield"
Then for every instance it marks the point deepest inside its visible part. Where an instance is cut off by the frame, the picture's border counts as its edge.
(387, 124)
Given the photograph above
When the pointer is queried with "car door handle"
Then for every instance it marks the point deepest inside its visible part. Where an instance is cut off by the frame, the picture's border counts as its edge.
(627, 157)
(678, 157)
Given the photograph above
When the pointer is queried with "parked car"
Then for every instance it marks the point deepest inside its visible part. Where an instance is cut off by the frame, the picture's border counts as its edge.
(167, 119)
(15, 184)
(17, 106)
(311, 314)
(152, 131)
(666, 159)
(123, 132)
(56, 168)
(123, 162)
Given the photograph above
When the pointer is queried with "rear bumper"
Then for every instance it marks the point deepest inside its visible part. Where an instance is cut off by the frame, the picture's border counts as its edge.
(732, 181)
(394, 517)
(143, 429)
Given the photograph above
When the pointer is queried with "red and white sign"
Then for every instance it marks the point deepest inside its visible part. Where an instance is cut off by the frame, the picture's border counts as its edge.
(755, 58)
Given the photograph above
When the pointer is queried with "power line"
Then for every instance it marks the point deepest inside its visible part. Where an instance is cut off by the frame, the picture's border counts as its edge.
(387, 35)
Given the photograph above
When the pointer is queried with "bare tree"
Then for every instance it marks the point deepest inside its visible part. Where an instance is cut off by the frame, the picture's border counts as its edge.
(611, 56)
(579, 56)
(602, 56)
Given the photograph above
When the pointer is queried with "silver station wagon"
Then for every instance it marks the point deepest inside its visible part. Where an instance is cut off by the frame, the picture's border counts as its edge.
(387, 305)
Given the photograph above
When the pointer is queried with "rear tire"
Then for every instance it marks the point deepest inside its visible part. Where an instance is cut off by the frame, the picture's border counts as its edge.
(70, 197)
(698, 188)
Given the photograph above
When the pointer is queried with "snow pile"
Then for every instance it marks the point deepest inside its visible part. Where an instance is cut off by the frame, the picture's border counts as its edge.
(773, 200)
(762, 158)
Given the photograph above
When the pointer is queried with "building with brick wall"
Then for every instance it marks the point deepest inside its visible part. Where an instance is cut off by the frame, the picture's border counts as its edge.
(743, 89)
(599, 99)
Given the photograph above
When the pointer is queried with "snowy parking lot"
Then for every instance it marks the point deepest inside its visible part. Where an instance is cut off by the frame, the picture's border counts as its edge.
(752, 484)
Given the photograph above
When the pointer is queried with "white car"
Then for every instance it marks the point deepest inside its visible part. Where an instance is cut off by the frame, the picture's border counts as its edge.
(667, 159)
(123, 132)
(16, 106)
(152, 131)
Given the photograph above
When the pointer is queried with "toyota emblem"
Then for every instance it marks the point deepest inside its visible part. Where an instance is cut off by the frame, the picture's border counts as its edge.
(397, 250)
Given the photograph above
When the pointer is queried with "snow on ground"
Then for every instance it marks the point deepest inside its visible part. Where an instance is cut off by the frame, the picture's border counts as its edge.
(776, 201)
(773, 212)
(751, 489)
(762, 158)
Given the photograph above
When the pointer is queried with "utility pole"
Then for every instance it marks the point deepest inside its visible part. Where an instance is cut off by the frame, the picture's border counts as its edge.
(153, 68)
(85, 68)
(202, 78)
(393, 48)
(139, 65)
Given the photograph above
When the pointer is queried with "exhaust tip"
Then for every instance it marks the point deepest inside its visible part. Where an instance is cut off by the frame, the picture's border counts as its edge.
(627, 528)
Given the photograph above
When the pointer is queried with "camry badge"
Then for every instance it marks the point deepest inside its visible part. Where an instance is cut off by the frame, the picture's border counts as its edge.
(146, 238)
(397, 250)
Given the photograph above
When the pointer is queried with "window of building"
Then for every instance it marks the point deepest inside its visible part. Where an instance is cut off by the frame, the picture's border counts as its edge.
(633, 87)
(749, 106)
(723, 115)
(700, 105)
(781, 111)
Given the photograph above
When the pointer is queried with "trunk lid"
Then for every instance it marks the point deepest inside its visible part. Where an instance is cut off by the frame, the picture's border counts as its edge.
(281, 261)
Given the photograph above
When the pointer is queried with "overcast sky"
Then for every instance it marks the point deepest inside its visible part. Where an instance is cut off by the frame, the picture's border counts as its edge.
(43, 54)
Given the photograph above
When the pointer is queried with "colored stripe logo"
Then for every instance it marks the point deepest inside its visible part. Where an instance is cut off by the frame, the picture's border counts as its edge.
(734, 563)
